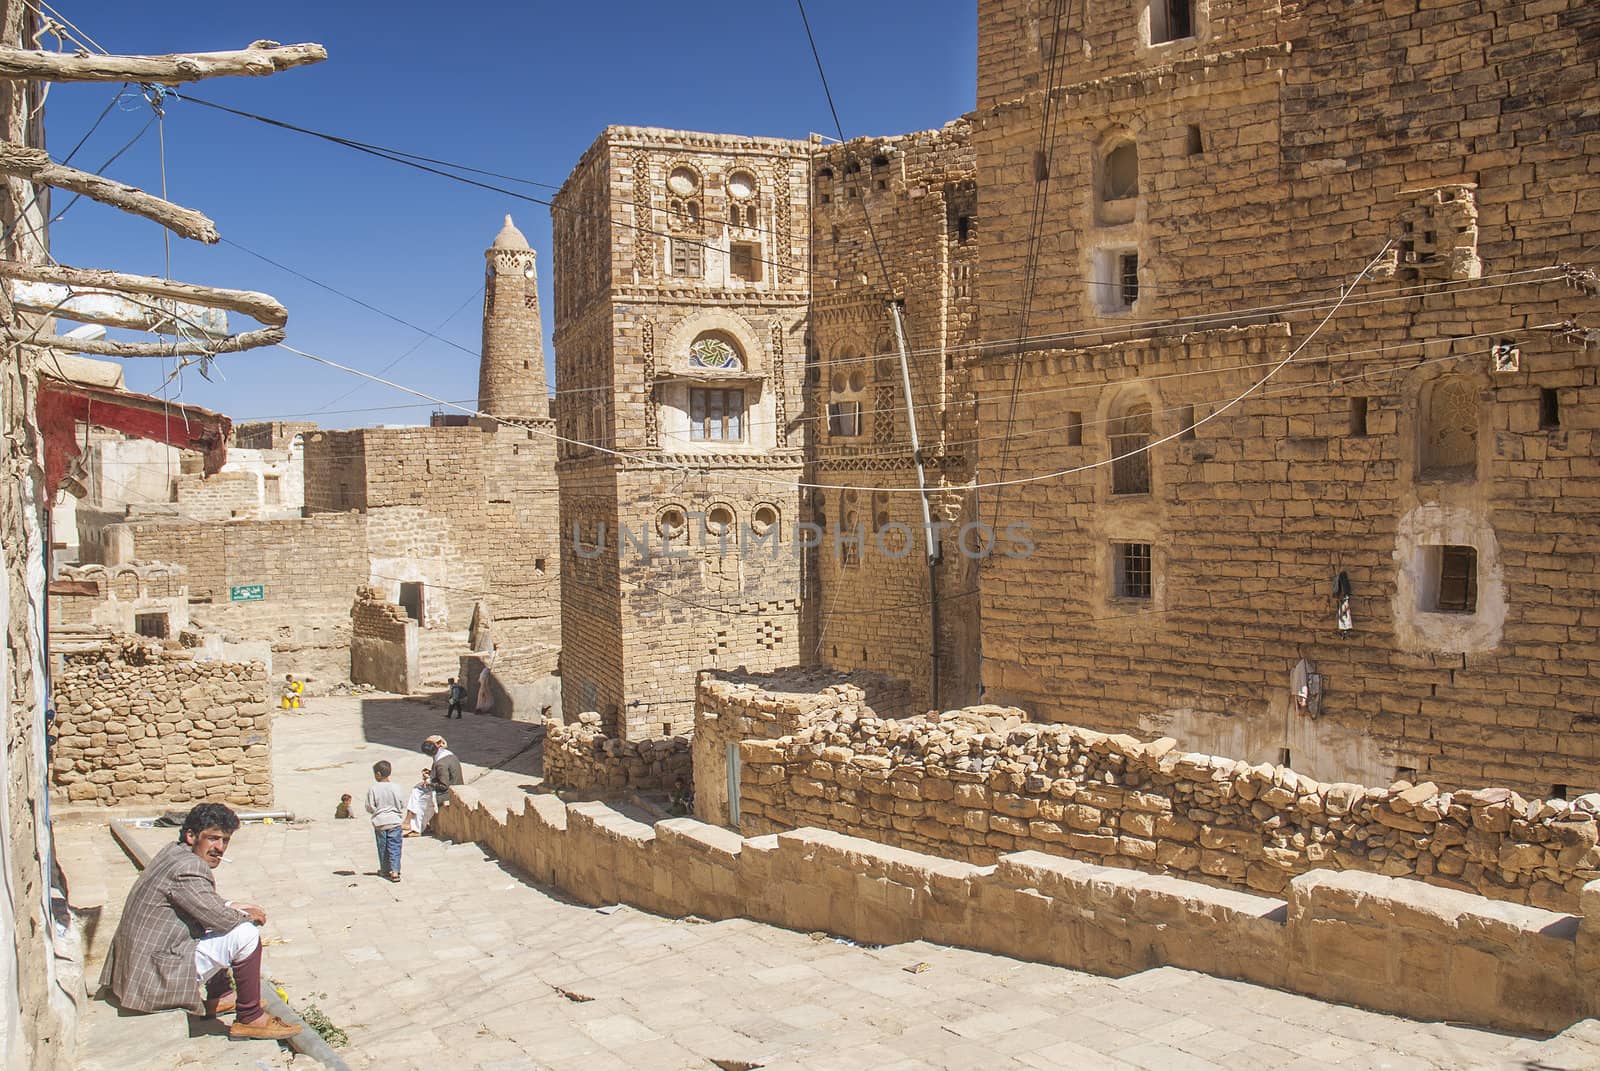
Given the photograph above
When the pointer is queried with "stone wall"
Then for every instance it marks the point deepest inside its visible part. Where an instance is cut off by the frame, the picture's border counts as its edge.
(383, 645)
(1272, 168)
(580, 757)
(319, 560)
(136, 723)
(469, 512)
(1353, 938)
(977, 783)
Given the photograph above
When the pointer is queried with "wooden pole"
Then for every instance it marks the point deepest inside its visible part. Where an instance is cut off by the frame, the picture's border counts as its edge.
(258, 306)
(36, 166)
(261, 58)
(266, 336)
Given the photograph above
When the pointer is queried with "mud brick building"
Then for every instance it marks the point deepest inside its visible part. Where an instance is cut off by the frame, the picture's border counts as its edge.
(681, 295)
(1239, 452)
(905, 206)
(458, 514)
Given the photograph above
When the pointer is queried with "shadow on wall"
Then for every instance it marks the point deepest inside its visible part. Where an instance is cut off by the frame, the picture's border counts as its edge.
(477, 741)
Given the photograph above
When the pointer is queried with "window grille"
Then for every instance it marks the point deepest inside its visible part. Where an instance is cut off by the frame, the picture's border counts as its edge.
(1134, 577)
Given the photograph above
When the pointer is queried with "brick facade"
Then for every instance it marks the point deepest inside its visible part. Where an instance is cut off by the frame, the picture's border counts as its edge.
(1272, 166)
(709, 250)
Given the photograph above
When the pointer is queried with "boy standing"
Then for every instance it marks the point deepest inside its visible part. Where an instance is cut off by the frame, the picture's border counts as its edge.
(387, 807)
(458, 695)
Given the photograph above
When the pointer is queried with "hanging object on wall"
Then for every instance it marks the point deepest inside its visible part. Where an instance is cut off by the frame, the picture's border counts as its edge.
(1505, 357)
(1341, 602)
(1305, 686)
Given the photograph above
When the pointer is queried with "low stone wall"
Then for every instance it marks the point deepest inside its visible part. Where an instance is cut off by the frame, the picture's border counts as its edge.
(581, 758)
(978, 783)
(383, 645)
(1385, 943)
(734, 707)
(135, 722)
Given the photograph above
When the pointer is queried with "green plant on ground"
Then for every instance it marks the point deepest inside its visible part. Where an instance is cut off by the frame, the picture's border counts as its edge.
(318, 1020)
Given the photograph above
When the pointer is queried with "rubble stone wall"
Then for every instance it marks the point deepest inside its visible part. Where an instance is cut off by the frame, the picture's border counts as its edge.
(581, 758)
(1349, 937)
(978, 783)
(135, 722)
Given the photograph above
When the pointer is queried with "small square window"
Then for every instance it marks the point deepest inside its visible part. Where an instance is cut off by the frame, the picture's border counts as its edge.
(744, 262)
(1133, 575)
(1074, 429)
(1196, 141)
(151, 625)
(688, 258)
(1455, 579)
(1171, 20)
(1188, 423)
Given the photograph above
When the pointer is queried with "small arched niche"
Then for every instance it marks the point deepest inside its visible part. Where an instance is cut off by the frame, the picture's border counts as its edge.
(1447, 415)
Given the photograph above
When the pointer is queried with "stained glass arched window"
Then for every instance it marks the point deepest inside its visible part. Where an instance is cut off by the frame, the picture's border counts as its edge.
(716, 353)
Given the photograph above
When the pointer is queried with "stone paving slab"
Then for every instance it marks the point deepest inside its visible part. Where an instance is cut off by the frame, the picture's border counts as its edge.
(465, 964)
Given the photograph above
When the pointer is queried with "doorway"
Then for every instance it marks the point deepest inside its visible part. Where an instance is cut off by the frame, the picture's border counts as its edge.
(411, 600)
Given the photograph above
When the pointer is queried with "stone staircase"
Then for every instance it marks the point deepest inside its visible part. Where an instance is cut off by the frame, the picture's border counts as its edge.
(439, 655)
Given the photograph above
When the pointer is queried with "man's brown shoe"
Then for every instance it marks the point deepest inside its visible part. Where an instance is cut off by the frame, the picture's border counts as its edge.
(222, 1005)
(269, 1027)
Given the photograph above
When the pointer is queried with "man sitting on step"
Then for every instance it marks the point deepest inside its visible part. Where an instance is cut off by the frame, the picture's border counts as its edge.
(178, 934)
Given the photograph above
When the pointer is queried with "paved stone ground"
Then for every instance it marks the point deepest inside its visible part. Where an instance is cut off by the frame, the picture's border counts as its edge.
(466, 965)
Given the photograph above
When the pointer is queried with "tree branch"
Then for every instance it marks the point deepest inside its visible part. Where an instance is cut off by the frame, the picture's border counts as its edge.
(36, 166)
(261, 58)
(266, 336)
(261, 307)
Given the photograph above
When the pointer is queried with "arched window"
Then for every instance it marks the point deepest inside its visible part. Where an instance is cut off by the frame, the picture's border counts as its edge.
(672, 525)
(683, 204)
(716, 352)
(1119, 177)
(1449, 432)
(743, 200)
(1128, 435)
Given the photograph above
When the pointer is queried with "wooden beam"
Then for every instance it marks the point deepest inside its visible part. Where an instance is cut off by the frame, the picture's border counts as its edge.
(266, 336)
(36, 166)
(261, 307)
(261, 58)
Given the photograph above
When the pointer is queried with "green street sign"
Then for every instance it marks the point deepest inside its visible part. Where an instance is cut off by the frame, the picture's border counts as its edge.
(247, 593)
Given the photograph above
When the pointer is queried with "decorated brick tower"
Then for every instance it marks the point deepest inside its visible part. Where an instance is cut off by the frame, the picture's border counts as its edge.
(511, 379)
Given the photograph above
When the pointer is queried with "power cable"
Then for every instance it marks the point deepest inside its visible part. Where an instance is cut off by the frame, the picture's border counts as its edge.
(655, 463)
(416, 164)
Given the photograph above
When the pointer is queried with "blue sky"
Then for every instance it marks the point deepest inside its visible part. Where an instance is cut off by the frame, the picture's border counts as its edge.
(521, 89)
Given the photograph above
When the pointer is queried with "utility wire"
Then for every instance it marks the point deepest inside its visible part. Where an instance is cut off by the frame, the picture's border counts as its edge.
(656, 463)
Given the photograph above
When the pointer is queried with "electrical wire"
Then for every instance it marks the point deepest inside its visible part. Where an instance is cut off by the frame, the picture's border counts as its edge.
(656, 463)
